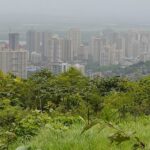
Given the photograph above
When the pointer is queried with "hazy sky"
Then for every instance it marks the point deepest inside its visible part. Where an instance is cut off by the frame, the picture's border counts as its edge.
(118, 9)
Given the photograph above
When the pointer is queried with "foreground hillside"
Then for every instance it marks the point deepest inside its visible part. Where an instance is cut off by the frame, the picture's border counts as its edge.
(71, 111)
(97, 138)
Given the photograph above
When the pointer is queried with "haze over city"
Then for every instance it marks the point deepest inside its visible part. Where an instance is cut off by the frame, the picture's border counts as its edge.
(86, 34)
(112, 11)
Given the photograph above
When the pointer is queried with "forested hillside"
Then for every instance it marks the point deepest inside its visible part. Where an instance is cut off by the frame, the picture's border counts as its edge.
(71, 111)
(134, 71)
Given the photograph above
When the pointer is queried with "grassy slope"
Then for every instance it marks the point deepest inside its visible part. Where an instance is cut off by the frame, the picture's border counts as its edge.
(92, 139)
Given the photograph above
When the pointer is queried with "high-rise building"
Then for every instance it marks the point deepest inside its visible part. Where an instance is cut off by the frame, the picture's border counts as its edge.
(105, 57)
(33, 41)
(97, 44)
(14, 61)
(67, 55)
(46, 36)
(74, 35)
(54, 53)
(36, 58)
(132, 44)
(119, 49)
(83, 53)
(13, 41)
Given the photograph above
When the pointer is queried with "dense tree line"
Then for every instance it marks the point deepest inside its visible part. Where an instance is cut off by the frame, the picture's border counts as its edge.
(28, 104)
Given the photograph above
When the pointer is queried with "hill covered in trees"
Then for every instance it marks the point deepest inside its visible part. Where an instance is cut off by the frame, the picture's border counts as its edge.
(71, 111)
(134, 71)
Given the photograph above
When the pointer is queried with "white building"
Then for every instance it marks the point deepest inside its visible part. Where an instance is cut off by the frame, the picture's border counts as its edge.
(54, 52)
(74, 35)
(14, 61)
(79, 67)
(36, 58)
(59, 67)
(33, 41)
(66, 54)
(46, 36)
(13, 41)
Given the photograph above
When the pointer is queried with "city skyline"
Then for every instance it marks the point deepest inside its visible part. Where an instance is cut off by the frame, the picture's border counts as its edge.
(57, 34)
(52, 51)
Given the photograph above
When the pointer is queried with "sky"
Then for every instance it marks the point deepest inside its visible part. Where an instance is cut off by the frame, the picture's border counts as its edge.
(137, 10)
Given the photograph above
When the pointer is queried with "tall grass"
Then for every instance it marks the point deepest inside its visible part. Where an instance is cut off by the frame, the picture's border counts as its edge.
(92, 139)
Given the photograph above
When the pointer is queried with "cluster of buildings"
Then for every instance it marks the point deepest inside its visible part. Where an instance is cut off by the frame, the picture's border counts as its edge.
(41, 50)
(58, 53)
(108, 48)
(52, 48)
(13, 59)
(124, 48)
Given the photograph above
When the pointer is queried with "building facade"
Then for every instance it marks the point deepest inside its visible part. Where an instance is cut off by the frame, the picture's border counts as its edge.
(13, 41)
(14, 61)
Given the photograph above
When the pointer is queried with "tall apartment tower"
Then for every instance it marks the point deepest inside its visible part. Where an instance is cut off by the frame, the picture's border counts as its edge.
(54, 52)
(46, 36)
(74, 35)
(67, 55)
(83, 54)
(56, 47)
(14, 61)
(33, 41)
(13, 41)
(96, 48)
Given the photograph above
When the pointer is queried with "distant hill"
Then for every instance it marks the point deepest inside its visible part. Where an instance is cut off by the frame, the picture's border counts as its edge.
(134, 71)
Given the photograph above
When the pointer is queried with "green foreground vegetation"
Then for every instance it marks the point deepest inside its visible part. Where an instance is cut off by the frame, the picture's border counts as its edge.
(93, 139)
(73, 112)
